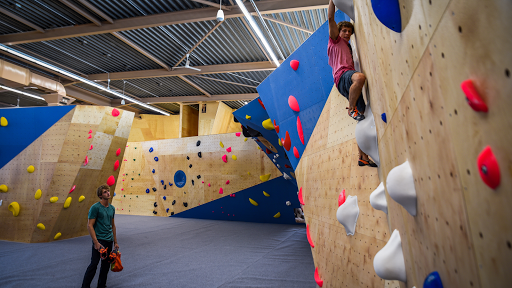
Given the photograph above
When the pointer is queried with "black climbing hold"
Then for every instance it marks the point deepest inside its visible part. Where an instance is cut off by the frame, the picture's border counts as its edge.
(198, 176)
(198, 143)
(192, 182)
(199, 155)
(156, 205)
(185, 204)
(150, 149)
(154, 189)
(173, 202)
(190, 166)
(188, 158)
(154, 212)
(172, 213)
(156, 158)
(165, 187)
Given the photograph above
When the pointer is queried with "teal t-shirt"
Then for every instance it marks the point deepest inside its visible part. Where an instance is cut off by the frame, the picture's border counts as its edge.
(103, 224)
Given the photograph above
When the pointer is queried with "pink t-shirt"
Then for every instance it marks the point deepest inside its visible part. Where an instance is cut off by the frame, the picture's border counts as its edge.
(340, 57)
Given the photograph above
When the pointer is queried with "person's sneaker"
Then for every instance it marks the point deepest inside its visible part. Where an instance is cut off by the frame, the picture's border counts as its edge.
(356, 115)
(367, 163)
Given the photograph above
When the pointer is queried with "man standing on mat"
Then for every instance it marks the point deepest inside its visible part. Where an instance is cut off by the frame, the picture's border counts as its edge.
(102, 229)
(349, 82)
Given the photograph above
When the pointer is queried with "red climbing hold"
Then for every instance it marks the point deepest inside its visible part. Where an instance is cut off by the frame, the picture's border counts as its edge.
(86, 161)
(287, 143)
(341, 198)
(296, 152)
(268, 151)
(299, 130)
(309, 237)
(301, 200)
(116, 165)
(275, 126)
(319, 281)
(118, 151)
(90, 131)
(472, 96)
(91, 147)
(115, 112)
(488, 168)
(225, 158)
(90, 136)
(72, 189)
(111, 180)
(292, 102)
(294, 64)
(221, 191)
(229, 149)
(287, 166)
(227, 182)
(261, 103)
(238, 134)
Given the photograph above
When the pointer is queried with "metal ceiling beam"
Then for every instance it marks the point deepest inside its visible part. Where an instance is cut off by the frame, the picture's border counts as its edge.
(82, 12)
(224, 7)
(206, 69)
(195, 86)
(96, 10)
(198, 42)
(287, 24)
(170, 18)
(19, 19)
(140, 50)
(224, 81)
(226, 97)
(87, 96)
(256, 39)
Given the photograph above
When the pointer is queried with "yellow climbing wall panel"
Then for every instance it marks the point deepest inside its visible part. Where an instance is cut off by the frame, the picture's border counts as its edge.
(172, 154)
(154, 127)
(58, 157)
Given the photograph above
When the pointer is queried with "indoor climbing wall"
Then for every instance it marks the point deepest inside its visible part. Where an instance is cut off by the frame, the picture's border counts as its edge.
(48, 188)
(212, 167)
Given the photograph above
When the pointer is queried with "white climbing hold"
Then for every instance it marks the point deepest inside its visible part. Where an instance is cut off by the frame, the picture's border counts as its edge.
(389, 262)
(278, 167)
(288, 203)
(400, 184)
(366, 136)
(348, 213)
(286, 176)
(346, 6)
(378, 199)
(274, 160)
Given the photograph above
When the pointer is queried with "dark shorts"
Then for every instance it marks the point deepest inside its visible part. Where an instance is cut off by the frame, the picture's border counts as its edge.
(344, 88)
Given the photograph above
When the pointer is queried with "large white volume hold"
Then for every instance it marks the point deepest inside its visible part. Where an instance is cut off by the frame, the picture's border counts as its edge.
(366, 135)
(378, 199)
(346, 6)
(400, 184)
(348, 213)
(389, 263)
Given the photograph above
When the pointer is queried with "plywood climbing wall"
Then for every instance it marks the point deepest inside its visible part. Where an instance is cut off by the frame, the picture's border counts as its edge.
(138, 164)
(58, 157)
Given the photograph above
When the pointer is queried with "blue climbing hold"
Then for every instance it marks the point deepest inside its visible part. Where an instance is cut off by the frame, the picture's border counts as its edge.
(180, 179)
(433, 280)
(147, 190)
(156, 158)
(162, 181)
(167, 210)
(150, 149)
(114, 193)
(388, 13)
(165, 199)
(384, 118)
(153, 171)
(170, 184)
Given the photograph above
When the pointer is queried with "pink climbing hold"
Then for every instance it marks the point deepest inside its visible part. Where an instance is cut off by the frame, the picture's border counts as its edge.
(122, 189)
(287, 143)
(292, 102)
(489, 168)
(301, 200)
(309, 237)
(294, 64)
(90, 131)
(318, 281)
(238, 134)
(118, 151)
(115, 112)
(72, 189)
(225, 158)
(202, 182)
(91, 147)
(299, 130)
(86, 161)
(111, 180)
(229, 149)
(125, 160)
(90, 136)
(473, 97)
(341, 198)
(296, 152)
(227, 182)
(116, 165)
(221, 191)
(209, 186)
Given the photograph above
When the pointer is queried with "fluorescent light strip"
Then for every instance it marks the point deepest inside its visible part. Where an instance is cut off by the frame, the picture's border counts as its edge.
(21, 92)
(76, 77)
(258, 31)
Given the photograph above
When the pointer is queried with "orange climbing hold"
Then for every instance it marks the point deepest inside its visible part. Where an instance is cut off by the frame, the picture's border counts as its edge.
(115, 112)
(318, 281)
(309, 237)
(341, 198)
(296, 152)
(111, 180)
(301, 200)
(473, 97)
(299, 130)
(118, 151)
(287, 143)
(488, 168)
(292, 102)
(116, 165)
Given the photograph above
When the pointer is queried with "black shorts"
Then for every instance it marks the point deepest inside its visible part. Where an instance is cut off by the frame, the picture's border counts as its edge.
(344, 88)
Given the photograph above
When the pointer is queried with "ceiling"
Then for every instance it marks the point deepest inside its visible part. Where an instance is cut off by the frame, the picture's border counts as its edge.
(132, 46)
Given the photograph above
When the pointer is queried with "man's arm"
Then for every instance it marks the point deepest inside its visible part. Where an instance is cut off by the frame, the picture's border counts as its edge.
(90, 227)
(114, 232)
(333, 27)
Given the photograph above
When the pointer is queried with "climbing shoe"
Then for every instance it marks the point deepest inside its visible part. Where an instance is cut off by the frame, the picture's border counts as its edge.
(367, 163)
(355, 114)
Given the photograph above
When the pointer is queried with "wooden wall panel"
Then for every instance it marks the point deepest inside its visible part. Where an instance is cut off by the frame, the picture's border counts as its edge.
(224, 120)
(189, 118)
(206, 119)
(154, 127)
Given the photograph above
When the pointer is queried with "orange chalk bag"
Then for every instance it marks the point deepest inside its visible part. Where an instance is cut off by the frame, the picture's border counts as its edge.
(115, 261)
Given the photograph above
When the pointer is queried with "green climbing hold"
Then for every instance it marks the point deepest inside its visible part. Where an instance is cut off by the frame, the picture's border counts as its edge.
(125, 196)
(137, 196)
(139, 174)
(132, 178)
(133, 159)
(135, 147)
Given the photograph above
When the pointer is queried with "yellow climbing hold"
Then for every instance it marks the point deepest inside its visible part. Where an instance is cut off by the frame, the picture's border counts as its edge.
(267, 124)
(233, 157)
(259, 147)
(3, 121)
(38, 194)
(81, 198)
(30, 169)
(265, 177)
(54, 199)
(14, 207)
(41, 226)
(67, 202)
(277, 215)
(279, 140)
(221, 144)
(245, 140)
(4, 188)
(247, 117)
(253, 202)
(57, 236)
(266, 194)
(248, 173)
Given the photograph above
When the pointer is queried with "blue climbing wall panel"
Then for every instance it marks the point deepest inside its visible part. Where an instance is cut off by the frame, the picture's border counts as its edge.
(311, 85)
(258, 115)
(239, 208)
(388, 13)
(25, 126)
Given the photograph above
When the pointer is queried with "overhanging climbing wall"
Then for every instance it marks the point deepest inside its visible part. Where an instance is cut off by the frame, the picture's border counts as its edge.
(61, 170)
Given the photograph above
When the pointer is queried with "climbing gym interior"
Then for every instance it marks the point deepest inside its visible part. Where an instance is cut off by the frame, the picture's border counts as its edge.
(229, 151)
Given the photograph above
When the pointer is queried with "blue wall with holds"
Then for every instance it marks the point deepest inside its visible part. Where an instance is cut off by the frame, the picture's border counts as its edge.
(388, 13)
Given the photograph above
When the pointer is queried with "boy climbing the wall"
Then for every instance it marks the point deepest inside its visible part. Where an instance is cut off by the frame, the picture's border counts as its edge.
(102, 229)
(349, 82)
